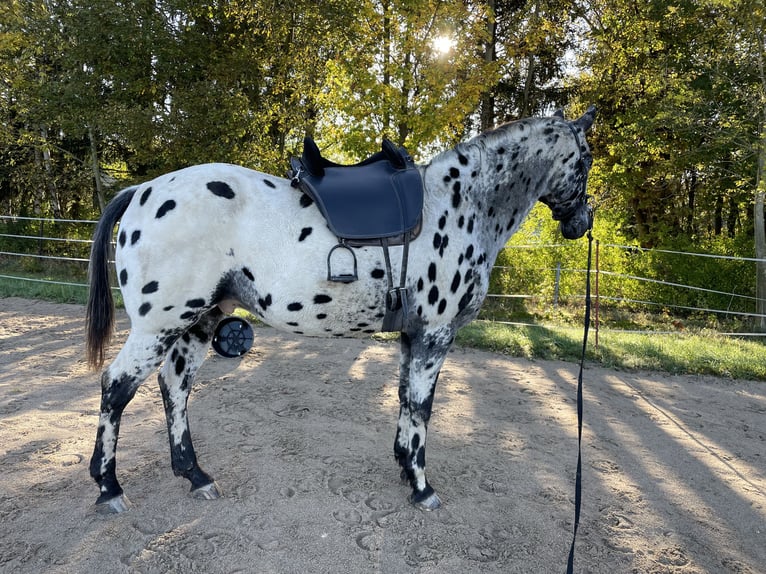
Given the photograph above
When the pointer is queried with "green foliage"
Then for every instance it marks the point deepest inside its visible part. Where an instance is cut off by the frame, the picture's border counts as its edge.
(525, 268)
(676, 86)
(396, 83)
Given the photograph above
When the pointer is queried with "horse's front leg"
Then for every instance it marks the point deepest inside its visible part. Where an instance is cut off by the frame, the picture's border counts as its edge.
(422, 356)
(176, 378)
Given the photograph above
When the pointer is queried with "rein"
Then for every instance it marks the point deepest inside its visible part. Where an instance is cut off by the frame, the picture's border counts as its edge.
(578, 476)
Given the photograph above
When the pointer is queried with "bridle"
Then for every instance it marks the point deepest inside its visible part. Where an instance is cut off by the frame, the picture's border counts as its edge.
(560, 215)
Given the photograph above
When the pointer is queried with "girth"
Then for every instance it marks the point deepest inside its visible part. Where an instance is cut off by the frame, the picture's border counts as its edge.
(377, 202)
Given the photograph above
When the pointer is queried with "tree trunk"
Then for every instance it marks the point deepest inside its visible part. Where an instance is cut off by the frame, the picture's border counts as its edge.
(96, 169)
(386, 63)
(760, 189)
(487, 106)
(49, 180)
(760, 229)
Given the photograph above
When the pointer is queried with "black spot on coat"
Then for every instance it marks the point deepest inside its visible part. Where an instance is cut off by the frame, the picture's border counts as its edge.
(295, 306)
(144, 309)
(305, 232)
(221, 189)
(195, 303)
(135, 236)
(123, 277)
(378, 273)
(123, 238)
(180, 366)
(145, 195)
(305, 200)
(150, 287)
(321, 298)
(456, 195)
(165, 207)
(269, 183)
(433, 295)
(248, 273)
(455, 282)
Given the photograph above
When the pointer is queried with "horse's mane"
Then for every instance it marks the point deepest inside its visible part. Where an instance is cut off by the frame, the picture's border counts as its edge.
(485, 140)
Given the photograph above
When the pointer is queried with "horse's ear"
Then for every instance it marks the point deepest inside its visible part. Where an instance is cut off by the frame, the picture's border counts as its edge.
(559, 113)
(586, 120)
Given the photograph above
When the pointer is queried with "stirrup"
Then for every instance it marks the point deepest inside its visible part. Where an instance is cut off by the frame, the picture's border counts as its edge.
(341, 277)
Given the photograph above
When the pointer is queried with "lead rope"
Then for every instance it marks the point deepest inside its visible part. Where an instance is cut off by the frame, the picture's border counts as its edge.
(578, 476)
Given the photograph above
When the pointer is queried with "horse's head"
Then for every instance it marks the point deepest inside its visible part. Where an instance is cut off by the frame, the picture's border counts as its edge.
(567, 197)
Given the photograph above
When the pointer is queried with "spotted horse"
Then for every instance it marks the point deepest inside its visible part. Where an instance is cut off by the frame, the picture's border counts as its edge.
(196, 243)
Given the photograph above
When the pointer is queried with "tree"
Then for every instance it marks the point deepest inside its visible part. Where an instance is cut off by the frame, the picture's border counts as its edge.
(398, 82)
(528, 40)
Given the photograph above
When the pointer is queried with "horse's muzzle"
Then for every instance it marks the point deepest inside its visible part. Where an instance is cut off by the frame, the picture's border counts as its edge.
(577, 224)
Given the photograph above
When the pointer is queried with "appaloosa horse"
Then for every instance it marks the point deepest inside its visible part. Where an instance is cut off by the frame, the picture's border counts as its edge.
(197, 242)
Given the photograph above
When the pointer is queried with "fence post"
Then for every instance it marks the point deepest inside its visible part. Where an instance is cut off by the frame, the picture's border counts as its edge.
(596, 323)
(556, 287)
(41, 235)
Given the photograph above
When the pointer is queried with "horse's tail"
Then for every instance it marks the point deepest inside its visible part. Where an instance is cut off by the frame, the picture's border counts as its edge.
(99, 315)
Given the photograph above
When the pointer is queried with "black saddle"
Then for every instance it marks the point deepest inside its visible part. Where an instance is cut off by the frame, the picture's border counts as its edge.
(380, 197)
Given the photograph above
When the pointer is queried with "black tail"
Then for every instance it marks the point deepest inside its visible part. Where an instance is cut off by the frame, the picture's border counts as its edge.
(99, 315)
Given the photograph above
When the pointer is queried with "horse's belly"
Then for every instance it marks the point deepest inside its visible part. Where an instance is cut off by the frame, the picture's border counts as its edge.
(305, 302)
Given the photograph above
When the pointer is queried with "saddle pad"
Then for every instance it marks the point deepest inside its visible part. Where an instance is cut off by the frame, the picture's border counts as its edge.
(367, 201)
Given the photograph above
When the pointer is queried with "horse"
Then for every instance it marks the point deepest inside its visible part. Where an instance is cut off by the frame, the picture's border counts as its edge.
(194, 244)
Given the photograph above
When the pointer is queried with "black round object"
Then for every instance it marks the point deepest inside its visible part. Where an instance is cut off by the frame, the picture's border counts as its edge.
(233, 337)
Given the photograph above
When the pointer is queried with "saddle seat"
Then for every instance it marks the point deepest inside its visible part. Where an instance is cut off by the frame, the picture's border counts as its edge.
(378, 198)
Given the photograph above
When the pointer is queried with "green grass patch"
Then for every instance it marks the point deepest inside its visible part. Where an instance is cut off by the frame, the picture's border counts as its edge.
(702, 353)
(47, 289)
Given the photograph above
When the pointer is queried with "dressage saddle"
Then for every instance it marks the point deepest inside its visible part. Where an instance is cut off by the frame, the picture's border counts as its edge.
(380, 197)
(378, 201)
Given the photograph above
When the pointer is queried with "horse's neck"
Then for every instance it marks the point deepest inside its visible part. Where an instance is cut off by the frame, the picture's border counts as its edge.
(501, 178)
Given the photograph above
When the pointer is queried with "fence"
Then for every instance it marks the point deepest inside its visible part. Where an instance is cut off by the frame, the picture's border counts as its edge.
(554, 284)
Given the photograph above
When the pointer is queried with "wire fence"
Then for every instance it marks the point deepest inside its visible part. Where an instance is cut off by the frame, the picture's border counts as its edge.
(18, 247)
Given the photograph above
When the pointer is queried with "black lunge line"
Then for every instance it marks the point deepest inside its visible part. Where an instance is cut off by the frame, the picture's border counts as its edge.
(578, 477)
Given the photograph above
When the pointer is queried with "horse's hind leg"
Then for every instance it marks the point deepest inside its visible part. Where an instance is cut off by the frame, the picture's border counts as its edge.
(176, 378)
(119, 382)
(422, 355)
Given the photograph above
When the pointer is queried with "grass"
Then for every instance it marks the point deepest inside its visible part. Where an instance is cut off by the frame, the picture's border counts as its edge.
(34, 289)
(699, 351)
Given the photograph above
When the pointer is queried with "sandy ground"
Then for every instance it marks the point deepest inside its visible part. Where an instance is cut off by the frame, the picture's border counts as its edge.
(299, 435)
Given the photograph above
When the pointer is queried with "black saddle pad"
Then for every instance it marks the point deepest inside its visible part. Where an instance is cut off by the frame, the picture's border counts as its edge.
(381, 197)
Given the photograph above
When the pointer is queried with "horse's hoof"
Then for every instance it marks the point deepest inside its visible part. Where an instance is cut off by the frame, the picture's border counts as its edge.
(207, 492)
(115, 505)
(429, 503)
